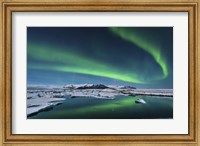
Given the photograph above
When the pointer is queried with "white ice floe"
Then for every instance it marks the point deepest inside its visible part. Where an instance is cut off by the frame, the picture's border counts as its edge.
(42, 102)
(140, 101)
(95, 93)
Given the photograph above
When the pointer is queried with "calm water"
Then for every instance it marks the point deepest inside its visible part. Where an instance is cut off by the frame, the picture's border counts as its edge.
(122, 107)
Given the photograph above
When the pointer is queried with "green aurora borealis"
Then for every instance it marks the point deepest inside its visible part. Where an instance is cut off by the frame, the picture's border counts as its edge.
(79, 65)
(147, 44)
(119, 55)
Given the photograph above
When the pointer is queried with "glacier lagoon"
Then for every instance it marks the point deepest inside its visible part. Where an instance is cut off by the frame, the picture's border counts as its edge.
(120, 107)
(97, 101)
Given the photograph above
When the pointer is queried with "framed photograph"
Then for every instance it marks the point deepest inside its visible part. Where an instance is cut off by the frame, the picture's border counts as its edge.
(106, 73)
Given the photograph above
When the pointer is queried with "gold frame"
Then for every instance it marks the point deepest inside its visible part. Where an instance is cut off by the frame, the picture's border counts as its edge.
(9, 6)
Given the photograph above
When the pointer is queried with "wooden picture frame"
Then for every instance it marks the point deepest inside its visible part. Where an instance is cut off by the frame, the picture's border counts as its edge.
(9, 6)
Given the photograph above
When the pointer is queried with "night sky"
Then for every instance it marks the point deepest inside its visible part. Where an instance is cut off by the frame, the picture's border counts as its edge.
(136, 56)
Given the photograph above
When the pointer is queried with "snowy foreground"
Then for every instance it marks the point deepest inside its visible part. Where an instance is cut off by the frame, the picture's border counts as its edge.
(43, 98)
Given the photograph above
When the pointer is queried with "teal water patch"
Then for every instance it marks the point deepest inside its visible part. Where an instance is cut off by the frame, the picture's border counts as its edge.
(122, 107)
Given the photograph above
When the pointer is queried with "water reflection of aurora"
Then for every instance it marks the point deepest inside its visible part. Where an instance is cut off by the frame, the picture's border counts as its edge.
(121, 107)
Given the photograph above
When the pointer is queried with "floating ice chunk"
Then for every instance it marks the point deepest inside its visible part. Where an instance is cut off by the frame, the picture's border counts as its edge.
(140, 101)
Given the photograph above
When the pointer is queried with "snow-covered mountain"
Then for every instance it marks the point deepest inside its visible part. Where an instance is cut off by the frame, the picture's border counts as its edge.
(95, 86)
